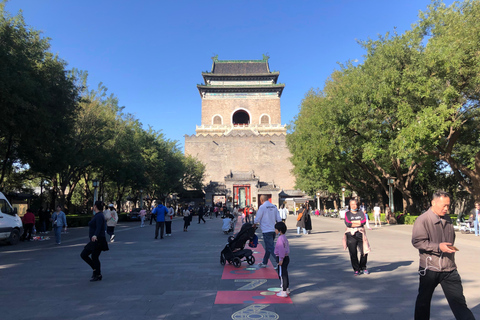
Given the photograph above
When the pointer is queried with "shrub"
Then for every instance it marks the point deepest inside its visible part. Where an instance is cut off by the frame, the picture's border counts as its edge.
(78, 220)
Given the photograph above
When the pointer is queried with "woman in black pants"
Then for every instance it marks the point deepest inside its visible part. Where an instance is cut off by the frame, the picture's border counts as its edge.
(186, 218)
(98, 242)
(355, 238)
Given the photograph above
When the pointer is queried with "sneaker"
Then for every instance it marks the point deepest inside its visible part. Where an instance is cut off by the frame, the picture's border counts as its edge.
(287, 291)
(282, 294)
(262, 265)
(276, 267)
(366, 271)
(357, 273)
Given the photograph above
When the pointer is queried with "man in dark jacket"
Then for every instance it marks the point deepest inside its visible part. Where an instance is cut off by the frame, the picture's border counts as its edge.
(97, 241)
(433, 235)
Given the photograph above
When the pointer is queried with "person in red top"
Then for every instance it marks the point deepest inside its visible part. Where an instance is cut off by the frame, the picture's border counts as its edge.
(246, 212)
(28, 220)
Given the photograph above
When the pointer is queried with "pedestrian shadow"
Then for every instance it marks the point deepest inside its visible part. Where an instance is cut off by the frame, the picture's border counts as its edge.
(323, 232)
(391, 266)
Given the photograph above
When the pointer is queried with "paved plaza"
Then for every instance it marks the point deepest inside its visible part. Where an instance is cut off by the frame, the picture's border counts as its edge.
(180, 277)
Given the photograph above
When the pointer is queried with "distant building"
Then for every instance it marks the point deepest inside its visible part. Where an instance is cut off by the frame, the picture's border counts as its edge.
(241, 139)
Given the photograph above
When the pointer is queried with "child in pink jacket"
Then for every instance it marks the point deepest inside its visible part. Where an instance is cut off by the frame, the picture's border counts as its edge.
(282, 250)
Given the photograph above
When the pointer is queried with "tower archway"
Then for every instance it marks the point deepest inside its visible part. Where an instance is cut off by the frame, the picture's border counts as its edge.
(240, 117)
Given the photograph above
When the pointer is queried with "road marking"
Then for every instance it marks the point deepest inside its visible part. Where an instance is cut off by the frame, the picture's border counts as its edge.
(252, 284)
(255, 311)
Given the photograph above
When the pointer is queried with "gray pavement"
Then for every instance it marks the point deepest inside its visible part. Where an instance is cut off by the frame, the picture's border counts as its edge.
(179, 277)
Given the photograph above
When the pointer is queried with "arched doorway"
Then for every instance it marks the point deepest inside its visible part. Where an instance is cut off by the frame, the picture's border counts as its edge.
(240, 117)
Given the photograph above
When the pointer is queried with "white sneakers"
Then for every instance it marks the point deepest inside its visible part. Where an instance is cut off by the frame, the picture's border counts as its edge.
(262, 265)
(282, 294)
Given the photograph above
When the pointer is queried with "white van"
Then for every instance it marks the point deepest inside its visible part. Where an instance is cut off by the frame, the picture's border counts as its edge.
(11, 226)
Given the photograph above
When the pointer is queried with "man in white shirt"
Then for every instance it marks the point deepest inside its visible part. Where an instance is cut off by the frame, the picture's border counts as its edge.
(267, 216)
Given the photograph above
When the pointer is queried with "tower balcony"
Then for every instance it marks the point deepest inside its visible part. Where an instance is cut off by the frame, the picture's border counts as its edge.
(256, 129)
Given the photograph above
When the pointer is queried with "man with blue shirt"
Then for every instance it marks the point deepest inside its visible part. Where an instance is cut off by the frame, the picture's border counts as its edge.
(267, 216)
(160, 211)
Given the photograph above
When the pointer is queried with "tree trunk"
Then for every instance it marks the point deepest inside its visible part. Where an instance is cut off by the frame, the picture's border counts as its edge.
(53, 193)
(379, 192)
(6, 160)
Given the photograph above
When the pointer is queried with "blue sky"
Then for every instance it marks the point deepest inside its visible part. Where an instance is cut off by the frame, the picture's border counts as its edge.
(150, 54)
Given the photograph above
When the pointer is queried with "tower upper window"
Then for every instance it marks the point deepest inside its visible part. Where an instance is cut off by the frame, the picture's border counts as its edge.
(217, 120)
(240, 117)
(265, 119)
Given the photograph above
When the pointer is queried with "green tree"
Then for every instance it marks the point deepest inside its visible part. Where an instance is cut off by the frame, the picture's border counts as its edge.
(38, 98)
(447, 124)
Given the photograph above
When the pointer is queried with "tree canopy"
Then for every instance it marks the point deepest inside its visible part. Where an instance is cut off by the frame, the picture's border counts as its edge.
(413, 101)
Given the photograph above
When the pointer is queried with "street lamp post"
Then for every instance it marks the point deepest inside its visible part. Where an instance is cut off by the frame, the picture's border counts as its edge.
(391, 181)
(343, 197)
(95, 184)
(141, 199)
(318, 200)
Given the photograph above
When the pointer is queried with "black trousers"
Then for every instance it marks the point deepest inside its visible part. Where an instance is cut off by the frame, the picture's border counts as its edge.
(200, 217)
(160, 225)
(452, 288)
(92, 248)
(355, 245)
(110, 230)
(283, 273)
(28, 228)
(168, 227)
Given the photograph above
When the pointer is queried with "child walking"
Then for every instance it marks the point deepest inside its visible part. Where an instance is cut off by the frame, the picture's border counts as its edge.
(282, 250)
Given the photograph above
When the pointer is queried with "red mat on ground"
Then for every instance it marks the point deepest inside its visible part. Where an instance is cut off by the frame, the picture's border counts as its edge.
(230, 272)
(241, 297)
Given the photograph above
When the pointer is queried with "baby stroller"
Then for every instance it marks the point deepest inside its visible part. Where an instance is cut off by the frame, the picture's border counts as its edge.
(464, 225)
(235, 251)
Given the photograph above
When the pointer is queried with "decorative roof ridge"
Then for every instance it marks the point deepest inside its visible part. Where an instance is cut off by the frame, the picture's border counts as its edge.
(240, 75)
(265, 59)
(242, 85)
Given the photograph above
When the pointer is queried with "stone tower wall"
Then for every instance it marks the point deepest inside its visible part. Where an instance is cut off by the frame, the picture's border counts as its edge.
(267, 156)
(226, 108)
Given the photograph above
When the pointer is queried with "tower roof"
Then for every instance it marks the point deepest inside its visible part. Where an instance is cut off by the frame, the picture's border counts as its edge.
(235, 76)
(240, 67)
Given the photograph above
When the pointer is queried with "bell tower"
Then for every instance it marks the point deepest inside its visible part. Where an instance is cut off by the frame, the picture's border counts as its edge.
(241, 139)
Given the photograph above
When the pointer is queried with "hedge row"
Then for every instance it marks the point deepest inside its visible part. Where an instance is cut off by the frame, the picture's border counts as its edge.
(81, 220)
(400, 218)
(406, 219)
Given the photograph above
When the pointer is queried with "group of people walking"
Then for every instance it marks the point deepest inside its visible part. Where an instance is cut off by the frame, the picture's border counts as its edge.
(433, 235)
(304, 221)
(57, 220)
